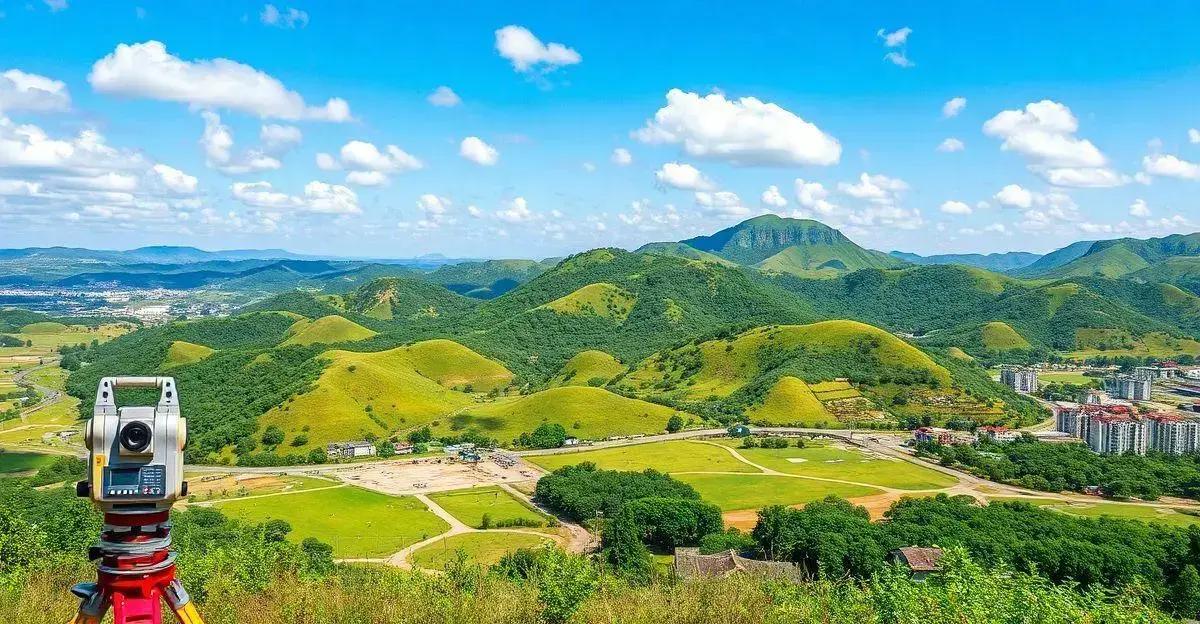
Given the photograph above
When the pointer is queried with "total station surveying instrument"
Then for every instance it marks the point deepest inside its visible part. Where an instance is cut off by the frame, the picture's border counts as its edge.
(135, 474)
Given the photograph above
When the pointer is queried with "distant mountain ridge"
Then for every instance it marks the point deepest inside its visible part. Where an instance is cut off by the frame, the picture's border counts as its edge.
(1121, 256)
(1000, 262)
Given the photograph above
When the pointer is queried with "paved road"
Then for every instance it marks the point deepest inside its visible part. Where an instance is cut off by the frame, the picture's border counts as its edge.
(50, 396)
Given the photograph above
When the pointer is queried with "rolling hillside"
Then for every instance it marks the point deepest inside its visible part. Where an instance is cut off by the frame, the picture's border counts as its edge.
(999, 262)
(590, 413)
(404, 299)
(380, 393)
(182, 353)
(1123, 256)
(490, 278)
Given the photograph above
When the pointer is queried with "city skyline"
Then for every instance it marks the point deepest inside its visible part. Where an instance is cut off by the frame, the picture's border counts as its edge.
(535, 131)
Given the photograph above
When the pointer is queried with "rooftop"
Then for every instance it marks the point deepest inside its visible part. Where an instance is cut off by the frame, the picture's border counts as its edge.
(919, 559)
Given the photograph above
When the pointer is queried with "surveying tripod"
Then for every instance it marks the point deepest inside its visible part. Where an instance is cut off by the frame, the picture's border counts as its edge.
(136, 571)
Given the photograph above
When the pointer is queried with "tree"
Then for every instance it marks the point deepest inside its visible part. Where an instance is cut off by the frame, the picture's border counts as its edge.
(384, 448)
(273, 436)
(729, 539)
(317, 456)
(276, 530)
(547, 435)
(674, 423)
(421, 436)
(301, 439)
(1183, 597)
(624, 550)
(671, 522)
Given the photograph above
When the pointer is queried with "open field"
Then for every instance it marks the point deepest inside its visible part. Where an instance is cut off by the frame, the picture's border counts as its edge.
(18, 462)
(47, 337)
(181, 353)
(326, 330)
(204, 487)
(1116, 342)
(669, 457)
(469, 506)
(1065, 377)
(1145, 513)
(586, 366)
(999, 336)
(754, 491)
(834, 461)
(585, 412)
(356, 522)
(485, 548)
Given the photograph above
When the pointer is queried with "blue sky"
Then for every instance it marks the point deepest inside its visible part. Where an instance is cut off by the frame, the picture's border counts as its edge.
(123, 124)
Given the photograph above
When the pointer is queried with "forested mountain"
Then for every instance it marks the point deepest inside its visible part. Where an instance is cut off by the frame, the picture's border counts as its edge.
(777, 244)
(999, 262)
(488, 279)
(1122, 256)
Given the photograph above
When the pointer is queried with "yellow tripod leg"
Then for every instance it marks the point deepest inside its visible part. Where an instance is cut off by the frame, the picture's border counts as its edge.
(83, 618)
(92, 604)
(181, 603)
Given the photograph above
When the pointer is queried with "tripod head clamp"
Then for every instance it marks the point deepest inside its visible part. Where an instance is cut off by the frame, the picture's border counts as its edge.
(135, 452)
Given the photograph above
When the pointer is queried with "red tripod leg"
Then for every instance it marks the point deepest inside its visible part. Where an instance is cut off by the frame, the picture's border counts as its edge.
(137, 609)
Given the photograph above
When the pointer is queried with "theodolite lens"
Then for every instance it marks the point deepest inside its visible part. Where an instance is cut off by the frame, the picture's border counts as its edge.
(136, 437)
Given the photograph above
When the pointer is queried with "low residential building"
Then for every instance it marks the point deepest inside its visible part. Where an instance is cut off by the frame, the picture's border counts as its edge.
(350, 450)
(1019, 378)
(943, 436)
(690, 564)
(571, 442)
(998, 433)
(921, 562)
(1128, 387)
(402, 448)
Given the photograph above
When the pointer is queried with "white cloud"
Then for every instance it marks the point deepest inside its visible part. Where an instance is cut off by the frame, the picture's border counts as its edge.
(621, 157)
(174, 180)
(20, 91)
(475, 212)
(953, 106)
(148, 70)
(217, 142)
(813, 195)
(745, 131)
(516, 212)
(895, 38)
(367, 178)
(683, 176)
(318, 197)
(326, 162)
(444, 96)
(951, 145)
(432, 204)
(1044, 132)
(721, 203)
(1015, 196)
(643, 217)
(56, 5)
(1168, 166)
(27, 146)
(277, 139)
(955, 208)
(1193, 135)
(1139, 208)
(899, 59)
(477, 151)
(773, 198)
(589, 167)
(289, 18)
(878, 189)
(998, 228)
(527, 53)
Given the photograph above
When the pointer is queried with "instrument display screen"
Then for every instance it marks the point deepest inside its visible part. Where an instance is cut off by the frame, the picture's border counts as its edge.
(123, 476)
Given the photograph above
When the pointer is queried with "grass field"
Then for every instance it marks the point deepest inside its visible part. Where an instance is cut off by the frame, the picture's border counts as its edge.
(469, 506)
(750, 491)
(671, 456)
(1065, 377)
(602, 299)
(1116, 342)
(790, 402)
(326, 330)
(998, 336)
(1143, 513)
(585, 412)
(485, 548)
(16, 462)
(181, 353)
(849, 464)
(48, 337)
(386, 391)
(588, 365)
(356, 522)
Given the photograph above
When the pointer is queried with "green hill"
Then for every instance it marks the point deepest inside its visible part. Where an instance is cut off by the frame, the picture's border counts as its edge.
(398, 298)
(588, 367)
(1180, 271)
(683, 250)
(587, 413)
(44, 327)
(790, 402)
(380, 393)
(1054, 259)
(797, 246)
(1123, 256)
(181, 353)
(999, 336)
(326, 330)
(604, 300)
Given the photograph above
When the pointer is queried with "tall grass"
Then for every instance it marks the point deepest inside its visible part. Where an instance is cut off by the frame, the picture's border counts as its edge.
(965, 594)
